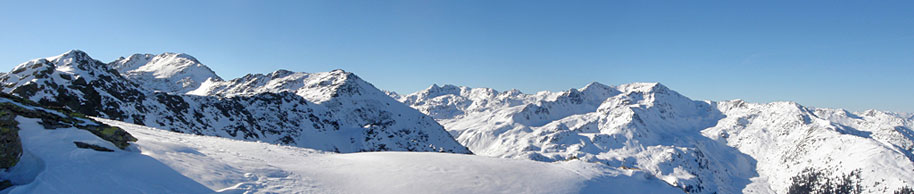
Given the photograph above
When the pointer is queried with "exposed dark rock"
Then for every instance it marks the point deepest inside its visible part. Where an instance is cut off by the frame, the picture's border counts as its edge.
(10, 145)
(84, 145)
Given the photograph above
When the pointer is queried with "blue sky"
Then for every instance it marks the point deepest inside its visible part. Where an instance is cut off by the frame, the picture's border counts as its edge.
(855, 55)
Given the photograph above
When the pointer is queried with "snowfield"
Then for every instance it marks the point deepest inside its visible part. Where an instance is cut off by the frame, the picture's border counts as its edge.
(233, 166)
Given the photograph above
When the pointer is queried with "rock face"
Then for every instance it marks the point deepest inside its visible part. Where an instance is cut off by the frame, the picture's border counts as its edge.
(353, 116)
(698, 146)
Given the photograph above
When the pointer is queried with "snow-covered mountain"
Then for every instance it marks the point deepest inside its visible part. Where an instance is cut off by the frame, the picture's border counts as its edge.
(353, 101)
(353, 117)
(167, 72)
(698, 146)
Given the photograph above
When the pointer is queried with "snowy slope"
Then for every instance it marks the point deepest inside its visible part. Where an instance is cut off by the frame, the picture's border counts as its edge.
(351, 115)
(167, 72)
(238, 166)
(698, 146)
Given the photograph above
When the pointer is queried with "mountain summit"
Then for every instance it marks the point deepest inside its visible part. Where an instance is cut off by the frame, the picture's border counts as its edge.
(167, 72)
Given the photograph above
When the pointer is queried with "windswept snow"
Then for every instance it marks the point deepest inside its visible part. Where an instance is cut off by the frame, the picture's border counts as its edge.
(232, 166)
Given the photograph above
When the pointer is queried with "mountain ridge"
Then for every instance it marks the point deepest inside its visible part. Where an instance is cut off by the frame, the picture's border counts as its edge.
(698, 146)
(76, 81)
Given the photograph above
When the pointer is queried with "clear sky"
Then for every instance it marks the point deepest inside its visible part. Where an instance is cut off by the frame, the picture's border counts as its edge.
(857, 55)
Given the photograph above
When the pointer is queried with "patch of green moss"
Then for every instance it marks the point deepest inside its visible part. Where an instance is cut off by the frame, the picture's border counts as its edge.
(115, 135)
(109, 131)
(10, 144)
(76, 114)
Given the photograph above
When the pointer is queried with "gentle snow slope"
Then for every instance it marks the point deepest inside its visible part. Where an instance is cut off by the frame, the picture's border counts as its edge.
(233, 166)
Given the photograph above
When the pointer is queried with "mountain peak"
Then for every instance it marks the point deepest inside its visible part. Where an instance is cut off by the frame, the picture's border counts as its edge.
(179, 55)
(74, 52)
(168, 72)
(435, 90)
(71, 54)
(338, 71)
(280, 73)
(596, 87)
(76, 60)
(645, 87)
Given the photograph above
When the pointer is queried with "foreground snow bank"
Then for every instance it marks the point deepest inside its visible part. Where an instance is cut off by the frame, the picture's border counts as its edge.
(232, 166)
(51, 163)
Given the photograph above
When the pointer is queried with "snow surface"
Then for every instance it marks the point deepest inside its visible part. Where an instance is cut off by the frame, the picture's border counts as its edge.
(231, 166)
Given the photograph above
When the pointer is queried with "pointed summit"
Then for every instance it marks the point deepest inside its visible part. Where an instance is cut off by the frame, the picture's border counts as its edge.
(598, 90)
(594, 85)
(74, 53)
(74, 62)
(69, 56)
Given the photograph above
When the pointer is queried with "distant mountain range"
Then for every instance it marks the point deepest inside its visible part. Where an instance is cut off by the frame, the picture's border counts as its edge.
(699, 146)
